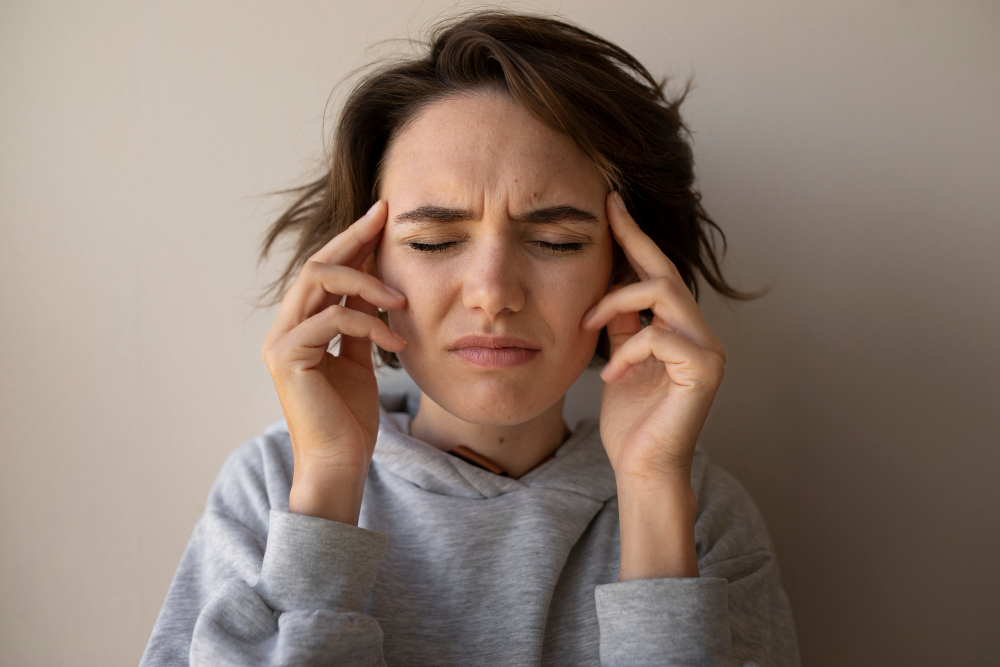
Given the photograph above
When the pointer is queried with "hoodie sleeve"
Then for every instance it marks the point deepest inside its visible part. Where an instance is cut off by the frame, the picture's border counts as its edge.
(258, 585)
(735, 614)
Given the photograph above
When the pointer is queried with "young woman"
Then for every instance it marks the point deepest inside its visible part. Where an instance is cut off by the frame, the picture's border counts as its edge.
(529, 209)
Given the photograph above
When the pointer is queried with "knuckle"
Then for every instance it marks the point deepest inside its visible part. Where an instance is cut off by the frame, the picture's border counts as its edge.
(309, 267)
(270, 353)
(314, 268)
(654, 331)
(715, 365)
(336, 310)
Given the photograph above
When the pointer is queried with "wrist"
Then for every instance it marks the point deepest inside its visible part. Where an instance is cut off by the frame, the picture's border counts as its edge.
(657, 530)
(673, 492)
(331, 495)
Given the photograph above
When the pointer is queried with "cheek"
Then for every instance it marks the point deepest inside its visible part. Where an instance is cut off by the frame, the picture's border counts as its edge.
(569, 294)
(425, 291)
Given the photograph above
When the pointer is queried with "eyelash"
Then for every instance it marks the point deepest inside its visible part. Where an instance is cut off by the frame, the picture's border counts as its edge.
(554, 247)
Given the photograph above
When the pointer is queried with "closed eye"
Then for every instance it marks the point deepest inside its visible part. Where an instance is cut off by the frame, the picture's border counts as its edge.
(428, 247)
(561, 247)
(553, 247)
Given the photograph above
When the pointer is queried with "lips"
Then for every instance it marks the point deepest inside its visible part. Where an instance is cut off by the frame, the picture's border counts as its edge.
(491, 358)
(495, 352)
(494, 342)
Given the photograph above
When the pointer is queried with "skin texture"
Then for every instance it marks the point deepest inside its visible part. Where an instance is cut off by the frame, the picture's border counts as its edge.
(486, 155)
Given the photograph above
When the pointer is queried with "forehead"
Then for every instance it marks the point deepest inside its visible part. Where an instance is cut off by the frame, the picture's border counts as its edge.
(481, 145)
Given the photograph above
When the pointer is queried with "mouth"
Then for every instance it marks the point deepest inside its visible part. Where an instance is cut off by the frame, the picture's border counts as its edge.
(495, 342)
(495, 357)
(495, 352)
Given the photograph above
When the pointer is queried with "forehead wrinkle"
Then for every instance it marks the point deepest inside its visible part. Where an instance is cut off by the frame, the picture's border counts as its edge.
(555, 214)
(528, 168)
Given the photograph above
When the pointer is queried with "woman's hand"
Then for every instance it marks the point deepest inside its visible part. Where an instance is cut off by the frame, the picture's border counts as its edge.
(660, 380)
(331, 402)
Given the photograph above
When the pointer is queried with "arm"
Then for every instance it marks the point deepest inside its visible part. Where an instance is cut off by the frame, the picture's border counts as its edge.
(261, 586)
(729, 610)
(657, 529)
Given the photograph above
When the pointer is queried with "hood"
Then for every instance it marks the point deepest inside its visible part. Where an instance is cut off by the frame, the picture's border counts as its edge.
(580, 465)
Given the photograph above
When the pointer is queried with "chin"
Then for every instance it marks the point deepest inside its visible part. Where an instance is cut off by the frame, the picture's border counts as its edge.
(497, 401)
(495, 411)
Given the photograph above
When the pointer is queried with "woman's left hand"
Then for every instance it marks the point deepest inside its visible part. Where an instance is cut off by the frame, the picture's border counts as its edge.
(660, 380)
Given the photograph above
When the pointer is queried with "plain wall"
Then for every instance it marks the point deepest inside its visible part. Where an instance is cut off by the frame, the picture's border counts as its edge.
(849, 150)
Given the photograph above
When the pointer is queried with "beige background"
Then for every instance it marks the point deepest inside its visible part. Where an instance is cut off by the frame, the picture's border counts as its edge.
(850, 150)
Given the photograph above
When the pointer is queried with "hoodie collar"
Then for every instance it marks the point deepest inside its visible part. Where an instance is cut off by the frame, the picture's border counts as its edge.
(580, 465)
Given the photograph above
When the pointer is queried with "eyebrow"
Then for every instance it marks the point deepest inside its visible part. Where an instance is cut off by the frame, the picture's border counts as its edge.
(542, 216)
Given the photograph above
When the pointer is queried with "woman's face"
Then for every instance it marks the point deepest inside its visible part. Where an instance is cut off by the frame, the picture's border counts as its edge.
(495, 189)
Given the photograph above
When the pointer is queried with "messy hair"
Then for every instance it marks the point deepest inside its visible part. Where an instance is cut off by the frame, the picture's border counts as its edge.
(573, 81)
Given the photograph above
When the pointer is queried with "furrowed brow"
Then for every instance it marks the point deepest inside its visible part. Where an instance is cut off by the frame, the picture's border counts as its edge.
(434, 214)
(553, 214)
(548, 215)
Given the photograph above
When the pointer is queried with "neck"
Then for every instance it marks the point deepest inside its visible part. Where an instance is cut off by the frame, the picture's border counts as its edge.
(517, 448)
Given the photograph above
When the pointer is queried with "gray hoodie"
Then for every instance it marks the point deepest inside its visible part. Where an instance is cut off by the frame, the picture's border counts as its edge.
(452, 564)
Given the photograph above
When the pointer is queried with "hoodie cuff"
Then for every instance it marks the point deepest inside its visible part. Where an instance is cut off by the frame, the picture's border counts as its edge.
(675, 620)
(315, 563)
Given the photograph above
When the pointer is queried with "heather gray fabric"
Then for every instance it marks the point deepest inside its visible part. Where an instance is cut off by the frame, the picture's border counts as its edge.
(454, 565)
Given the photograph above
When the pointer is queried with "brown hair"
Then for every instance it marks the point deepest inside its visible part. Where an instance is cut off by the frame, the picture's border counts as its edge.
(570, 79)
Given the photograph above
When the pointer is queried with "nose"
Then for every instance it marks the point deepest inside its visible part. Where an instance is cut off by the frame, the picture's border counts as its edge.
(494, 280)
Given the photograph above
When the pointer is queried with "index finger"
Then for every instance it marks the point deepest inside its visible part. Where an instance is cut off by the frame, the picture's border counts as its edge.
(648, 260)
(347, 248)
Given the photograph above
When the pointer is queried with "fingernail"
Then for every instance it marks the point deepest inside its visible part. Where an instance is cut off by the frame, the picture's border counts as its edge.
(395, 293)
(590, 312)
(373, 207)
(620, 202)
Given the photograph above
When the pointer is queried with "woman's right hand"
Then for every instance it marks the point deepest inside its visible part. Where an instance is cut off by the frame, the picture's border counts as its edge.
(331, 402)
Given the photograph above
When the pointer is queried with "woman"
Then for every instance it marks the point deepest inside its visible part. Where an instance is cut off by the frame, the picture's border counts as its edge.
(533, 209)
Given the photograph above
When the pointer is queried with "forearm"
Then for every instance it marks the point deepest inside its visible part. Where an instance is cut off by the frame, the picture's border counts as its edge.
(335, 496)
(657, 529)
